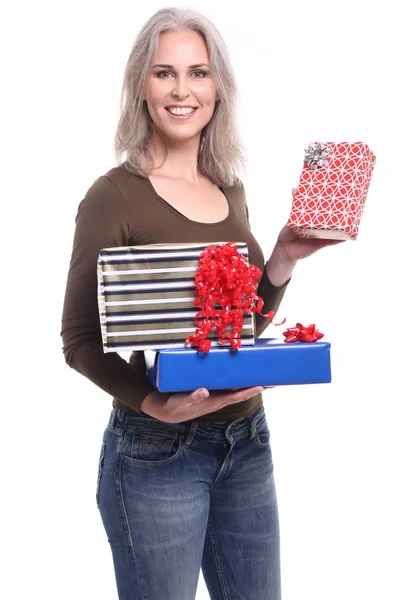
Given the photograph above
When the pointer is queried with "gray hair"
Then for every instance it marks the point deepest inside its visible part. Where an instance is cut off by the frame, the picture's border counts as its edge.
(220, 153)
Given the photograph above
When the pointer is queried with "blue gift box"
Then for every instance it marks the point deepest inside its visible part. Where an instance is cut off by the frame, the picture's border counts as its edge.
(268, 362)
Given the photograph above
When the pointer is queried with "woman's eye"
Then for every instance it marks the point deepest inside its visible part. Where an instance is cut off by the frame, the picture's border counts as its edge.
(202, 72)
(161, 73)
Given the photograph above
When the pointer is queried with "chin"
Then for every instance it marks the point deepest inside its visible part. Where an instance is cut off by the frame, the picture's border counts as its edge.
(181, 136)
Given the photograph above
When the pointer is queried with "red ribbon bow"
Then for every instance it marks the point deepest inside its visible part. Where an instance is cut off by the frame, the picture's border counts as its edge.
(302, 334)
(224, 278)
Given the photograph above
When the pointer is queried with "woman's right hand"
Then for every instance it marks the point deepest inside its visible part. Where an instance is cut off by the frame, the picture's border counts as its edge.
(183, 406)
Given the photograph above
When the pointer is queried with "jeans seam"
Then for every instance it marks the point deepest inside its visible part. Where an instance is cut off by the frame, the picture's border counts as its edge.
(100, 471)
(217, 562)
(125, 516)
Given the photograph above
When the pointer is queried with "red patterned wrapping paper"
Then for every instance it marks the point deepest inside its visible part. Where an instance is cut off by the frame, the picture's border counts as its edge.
(330, 197)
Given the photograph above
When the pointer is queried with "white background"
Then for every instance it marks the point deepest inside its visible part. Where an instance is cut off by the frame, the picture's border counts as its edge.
(310, 70)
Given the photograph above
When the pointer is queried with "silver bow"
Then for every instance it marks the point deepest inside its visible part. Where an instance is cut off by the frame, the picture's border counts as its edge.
(316, 155)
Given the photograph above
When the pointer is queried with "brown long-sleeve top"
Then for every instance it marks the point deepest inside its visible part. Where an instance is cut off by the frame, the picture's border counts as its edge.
(122, 209)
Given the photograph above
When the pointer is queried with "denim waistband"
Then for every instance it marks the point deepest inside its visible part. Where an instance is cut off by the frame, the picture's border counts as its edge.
(214, 429)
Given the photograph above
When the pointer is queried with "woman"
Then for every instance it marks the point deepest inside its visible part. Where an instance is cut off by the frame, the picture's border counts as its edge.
(184, 481)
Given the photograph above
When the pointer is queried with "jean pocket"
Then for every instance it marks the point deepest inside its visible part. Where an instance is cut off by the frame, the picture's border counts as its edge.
(150, 447)
(262, 434)
(100, 470)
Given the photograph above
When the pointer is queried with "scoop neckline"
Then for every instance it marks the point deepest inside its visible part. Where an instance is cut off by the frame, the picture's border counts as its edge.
(181, 215)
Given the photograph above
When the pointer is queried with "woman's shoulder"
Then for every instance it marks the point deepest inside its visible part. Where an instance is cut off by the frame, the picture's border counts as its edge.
(115, 184)
(123, 179)
(236, 187)
(120, 175)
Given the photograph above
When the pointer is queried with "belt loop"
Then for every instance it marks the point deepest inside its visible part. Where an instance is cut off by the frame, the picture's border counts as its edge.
(191, 434)
(113, 417)
(253, 427)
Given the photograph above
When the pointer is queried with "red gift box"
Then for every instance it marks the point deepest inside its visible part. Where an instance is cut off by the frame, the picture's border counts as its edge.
(332, 190)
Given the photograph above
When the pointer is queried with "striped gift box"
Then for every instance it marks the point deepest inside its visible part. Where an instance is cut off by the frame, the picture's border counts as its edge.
(146, 294)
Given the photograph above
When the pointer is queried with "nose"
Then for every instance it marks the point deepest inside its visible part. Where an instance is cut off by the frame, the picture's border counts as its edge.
(181, 88)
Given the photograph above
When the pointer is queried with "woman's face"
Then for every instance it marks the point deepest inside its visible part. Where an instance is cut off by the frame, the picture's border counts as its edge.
(181, 77)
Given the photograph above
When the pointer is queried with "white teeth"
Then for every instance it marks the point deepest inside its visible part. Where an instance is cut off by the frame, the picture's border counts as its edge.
(180, 111)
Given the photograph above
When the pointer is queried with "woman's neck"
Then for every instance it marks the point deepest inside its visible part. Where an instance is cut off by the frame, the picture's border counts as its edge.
(176, 159)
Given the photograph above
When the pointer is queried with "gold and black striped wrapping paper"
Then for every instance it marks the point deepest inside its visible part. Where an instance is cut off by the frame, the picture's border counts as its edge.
(146, 294)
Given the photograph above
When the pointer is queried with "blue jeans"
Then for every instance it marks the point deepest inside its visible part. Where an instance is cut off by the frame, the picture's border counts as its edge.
(177, 497)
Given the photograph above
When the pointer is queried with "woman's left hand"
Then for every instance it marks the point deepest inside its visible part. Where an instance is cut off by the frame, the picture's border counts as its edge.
(290, 248)
(295, 248)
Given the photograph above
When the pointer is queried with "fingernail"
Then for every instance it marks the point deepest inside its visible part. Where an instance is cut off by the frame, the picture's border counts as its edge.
(203, 394)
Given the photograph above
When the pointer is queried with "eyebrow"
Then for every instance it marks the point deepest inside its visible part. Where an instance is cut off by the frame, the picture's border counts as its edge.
(190, 67)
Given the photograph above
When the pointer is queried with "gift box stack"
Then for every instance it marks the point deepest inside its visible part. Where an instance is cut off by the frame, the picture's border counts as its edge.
(146, 297)
(191, 307)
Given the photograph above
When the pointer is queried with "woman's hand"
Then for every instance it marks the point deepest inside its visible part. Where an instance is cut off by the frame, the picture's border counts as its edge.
(290, 248)
(184, 406)
(294, 248)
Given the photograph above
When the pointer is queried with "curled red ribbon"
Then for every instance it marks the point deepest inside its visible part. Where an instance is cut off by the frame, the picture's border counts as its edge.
(224, 278)
(302, 334)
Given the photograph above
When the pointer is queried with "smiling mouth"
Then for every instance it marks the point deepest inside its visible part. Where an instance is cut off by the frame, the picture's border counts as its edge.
(181, 115)
(181, 110)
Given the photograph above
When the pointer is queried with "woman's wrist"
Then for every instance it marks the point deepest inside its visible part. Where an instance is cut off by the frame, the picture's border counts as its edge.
(152, 404)
(279, 268)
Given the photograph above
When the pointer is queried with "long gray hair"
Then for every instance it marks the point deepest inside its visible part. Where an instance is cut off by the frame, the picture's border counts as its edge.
(220, 153)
